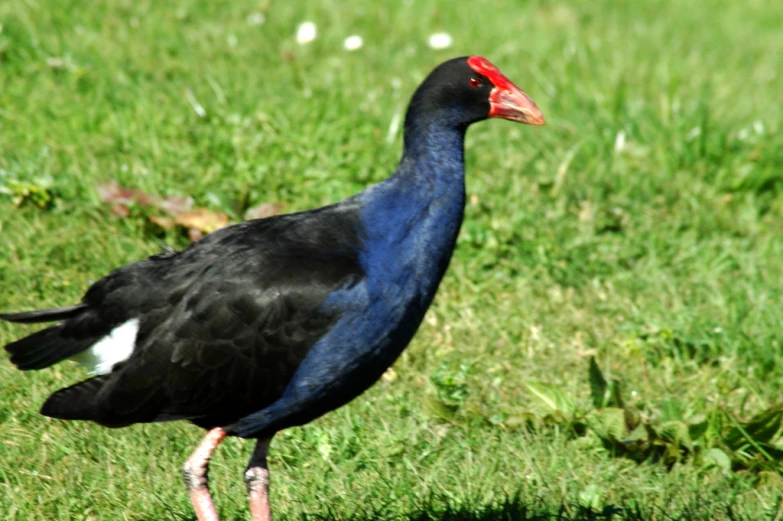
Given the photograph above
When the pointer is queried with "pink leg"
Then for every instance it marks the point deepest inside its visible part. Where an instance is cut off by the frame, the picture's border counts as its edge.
(257, 481)
(195, 474)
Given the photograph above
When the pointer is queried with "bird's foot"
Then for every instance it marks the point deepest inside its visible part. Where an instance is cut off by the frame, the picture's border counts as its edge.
(195, 471)
(257, 481)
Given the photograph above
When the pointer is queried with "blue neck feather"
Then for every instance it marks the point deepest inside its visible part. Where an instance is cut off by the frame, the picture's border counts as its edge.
(412, 219)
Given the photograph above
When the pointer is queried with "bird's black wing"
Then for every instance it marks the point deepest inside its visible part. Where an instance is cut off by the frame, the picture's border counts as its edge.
(223, 325)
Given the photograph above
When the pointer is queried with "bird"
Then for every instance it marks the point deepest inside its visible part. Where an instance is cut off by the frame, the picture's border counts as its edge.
(271, 323)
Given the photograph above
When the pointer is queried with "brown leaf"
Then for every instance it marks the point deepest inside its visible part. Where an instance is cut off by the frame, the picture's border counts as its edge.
(119, 209)
(108, 191)
(202, 219)
(175, 205)
(264, 210)
(113, 192)
(167, 223)
(198, 221)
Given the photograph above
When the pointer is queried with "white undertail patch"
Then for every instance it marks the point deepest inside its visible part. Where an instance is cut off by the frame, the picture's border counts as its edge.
(112, 349)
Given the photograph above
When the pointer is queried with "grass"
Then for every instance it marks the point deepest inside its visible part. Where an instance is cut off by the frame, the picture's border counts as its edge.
(641, 227)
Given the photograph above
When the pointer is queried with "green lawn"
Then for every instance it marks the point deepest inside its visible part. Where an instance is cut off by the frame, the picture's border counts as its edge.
(643, 226)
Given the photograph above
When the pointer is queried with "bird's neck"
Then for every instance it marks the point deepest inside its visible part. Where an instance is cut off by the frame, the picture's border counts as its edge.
(432, 169)
(434, 147)
(412, 219)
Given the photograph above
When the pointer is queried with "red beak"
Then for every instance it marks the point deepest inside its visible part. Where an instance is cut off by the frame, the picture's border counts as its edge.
(513, 104)
(506, 100)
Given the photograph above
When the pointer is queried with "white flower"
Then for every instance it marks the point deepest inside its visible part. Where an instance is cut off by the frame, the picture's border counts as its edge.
(256, 19)
(353, 42)
(619, 142)
(306, 33)
(440, 40)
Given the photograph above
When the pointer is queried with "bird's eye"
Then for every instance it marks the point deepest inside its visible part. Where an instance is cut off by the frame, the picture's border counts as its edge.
(474, 83)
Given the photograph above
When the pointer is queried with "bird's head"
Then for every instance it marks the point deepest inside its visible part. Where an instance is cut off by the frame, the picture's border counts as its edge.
(470, 89)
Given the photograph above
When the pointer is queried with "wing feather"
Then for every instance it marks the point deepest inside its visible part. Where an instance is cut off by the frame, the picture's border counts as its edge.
(223, 325)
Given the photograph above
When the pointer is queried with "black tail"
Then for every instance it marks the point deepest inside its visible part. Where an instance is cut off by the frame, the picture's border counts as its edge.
(45, 348)
(50, 345)
(43, 315)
